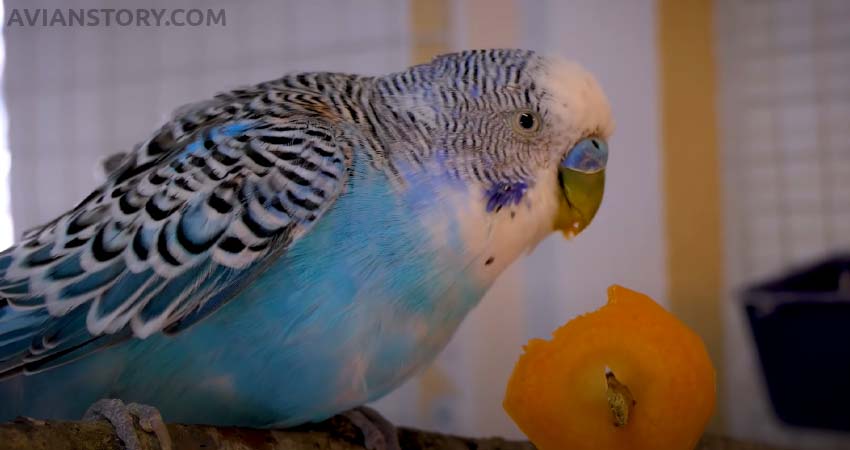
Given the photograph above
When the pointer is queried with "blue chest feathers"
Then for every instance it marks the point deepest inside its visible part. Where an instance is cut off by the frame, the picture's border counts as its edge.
(354, 307)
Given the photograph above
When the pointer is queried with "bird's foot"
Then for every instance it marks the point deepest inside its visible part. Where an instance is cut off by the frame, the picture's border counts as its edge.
(378, 432)
(121, 417)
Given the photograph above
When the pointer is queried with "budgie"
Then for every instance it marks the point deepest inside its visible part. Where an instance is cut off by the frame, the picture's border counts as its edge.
(288, 251)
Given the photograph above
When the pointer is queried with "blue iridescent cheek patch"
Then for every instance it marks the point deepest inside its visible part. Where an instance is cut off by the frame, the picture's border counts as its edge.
(504, 194)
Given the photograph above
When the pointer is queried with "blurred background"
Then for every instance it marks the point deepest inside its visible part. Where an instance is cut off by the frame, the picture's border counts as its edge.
(730, 164)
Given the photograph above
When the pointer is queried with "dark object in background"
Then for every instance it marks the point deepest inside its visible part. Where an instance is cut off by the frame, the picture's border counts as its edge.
(801, 326)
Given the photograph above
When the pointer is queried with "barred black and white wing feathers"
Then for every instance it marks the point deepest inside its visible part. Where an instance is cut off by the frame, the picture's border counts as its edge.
(189, 217)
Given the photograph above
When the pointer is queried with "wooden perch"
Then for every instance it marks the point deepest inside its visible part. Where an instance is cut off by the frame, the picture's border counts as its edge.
(334, 434)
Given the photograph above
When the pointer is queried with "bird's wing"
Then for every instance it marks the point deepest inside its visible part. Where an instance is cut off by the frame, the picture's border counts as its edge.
(173, 234)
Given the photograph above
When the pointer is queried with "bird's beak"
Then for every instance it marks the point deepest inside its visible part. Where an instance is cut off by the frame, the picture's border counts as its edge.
(581, 176)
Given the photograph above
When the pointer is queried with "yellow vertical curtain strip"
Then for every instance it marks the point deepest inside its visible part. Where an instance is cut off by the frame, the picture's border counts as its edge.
(429, 25)
(691, 170)
(439, 27)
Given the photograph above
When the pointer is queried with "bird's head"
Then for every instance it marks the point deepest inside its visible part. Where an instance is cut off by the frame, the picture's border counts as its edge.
(527, 134)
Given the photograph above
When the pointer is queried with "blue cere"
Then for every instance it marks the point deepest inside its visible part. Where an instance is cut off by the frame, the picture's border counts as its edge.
(588, 156)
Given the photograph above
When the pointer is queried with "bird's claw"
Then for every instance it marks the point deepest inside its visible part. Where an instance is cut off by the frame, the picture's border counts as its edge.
(378, 432)
(121, 417)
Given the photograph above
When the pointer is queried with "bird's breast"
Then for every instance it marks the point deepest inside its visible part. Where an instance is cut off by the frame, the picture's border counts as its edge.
(364, 299)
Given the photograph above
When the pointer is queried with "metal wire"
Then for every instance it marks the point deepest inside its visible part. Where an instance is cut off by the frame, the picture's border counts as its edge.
(788, 92)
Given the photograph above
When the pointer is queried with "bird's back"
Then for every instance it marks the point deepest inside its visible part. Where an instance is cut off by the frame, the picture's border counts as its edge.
(174, 213)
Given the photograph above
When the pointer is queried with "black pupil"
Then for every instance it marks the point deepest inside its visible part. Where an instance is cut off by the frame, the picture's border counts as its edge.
(526, 121)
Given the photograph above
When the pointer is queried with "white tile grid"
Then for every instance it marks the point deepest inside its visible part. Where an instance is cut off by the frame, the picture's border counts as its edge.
(788, 64)
(76, 94)
(785, 117)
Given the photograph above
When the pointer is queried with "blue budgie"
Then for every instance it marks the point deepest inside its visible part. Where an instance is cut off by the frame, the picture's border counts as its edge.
(292, 250)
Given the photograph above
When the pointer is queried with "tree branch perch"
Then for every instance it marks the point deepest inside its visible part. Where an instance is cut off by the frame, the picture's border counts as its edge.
(334, 434)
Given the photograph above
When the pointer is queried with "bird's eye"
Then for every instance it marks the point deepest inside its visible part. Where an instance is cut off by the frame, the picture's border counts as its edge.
(526, 122)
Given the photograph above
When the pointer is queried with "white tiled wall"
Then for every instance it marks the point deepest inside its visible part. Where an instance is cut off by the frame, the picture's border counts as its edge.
(785, 112)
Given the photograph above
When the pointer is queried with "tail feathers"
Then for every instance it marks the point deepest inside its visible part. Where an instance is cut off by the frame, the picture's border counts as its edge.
(18, 328)
(6, 259)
